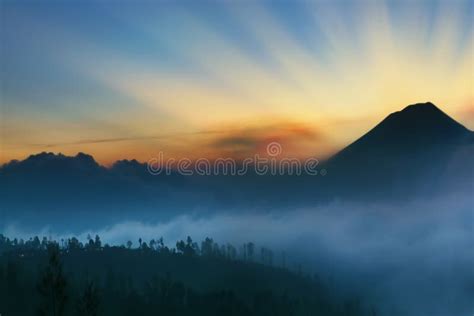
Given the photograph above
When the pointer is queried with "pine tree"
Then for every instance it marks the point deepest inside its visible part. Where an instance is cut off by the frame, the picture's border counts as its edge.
(52, 285)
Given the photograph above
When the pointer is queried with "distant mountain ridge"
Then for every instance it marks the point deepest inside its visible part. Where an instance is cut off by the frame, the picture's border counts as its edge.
(420, 124)
(418, 151)
(419, 127)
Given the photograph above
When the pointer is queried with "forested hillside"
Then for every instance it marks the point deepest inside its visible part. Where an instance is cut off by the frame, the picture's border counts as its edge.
(67, 277)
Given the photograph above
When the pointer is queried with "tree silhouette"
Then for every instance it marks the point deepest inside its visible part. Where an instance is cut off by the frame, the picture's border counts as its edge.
(188, 248)
(97, 243)
(207, 247)
(250, 251)
(52, 285)
(73, 244)
(89, 302)
(156, 280)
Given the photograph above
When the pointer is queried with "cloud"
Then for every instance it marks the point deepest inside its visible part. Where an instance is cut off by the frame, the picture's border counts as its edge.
(246, 141)
(236, 141)
(124, 139)
(415, 257)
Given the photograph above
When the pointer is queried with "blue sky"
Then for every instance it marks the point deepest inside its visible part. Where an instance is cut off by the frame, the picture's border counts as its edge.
(122, 69)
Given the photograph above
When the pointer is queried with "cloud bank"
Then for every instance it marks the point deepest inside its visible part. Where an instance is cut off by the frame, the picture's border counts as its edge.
(411, 260)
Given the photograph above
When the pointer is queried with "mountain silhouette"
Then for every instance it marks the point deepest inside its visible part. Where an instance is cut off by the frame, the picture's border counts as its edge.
(417, 126)
(418, 151)
(410, 151)
(51, 165)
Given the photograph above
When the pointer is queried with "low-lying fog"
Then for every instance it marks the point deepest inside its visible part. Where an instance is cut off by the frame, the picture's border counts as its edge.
(412, 260)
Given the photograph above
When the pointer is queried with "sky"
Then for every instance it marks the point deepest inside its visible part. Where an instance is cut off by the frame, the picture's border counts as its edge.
(128, 79)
